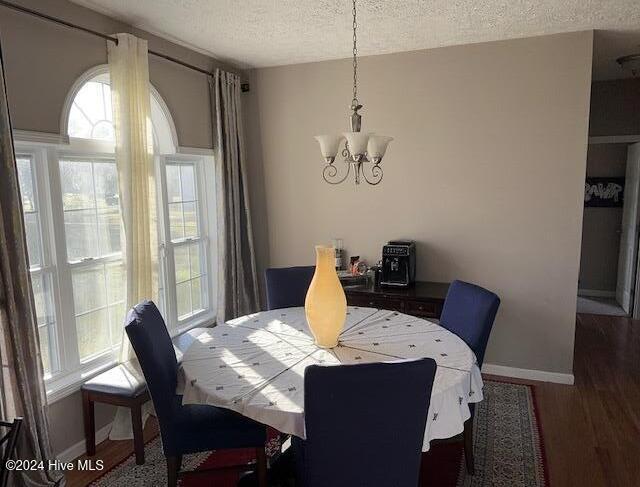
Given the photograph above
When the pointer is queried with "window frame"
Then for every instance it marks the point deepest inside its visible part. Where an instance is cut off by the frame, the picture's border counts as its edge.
(205, 207)
(46, 151)
(47, 268)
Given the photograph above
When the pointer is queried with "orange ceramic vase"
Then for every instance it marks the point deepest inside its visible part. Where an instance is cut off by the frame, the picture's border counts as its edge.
(325, 304)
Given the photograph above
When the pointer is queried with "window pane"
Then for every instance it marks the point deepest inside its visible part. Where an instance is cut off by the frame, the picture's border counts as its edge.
(99, 307)
(116, 317)
(109, 231)
(181, 260)
(45, 350)
(188, 180)
(93, 333)
(190, 220)
(91, 208)
(32, 229)
(194, 258)
(116, 284)
(25, 180)
(77, 185)
(103, 130)
(79, 125)
(175, 221)
(37, 285)
(80, 231)
(29, 208)
(196, 294)
(44, 318)
(183, 297)
(116, 288)
(89, 289)
(174, 193)
(91, 115)
(89, 100)
(106, 176)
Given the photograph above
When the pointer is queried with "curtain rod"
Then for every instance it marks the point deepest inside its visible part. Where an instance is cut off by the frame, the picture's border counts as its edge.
(35, 13)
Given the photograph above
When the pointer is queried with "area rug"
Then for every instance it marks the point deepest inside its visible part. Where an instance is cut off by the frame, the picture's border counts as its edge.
(508, 446)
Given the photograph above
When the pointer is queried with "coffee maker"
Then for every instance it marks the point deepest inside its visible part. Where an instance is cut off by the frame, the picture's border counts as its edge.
(398, 263)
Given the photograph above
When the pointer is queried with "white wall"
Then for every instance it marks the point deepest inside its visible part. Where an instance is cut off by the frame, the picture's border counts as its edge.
(486, 174)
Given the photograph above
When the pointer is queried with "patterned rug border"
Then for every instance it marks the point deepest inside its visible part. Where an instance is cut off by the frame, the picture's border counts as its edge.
(118, 464)
(538, 431)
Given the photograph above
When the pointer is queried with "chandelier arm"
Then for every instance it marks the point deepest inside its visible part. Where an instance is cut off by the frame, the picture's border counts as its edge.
(376, 174)
(330, 171)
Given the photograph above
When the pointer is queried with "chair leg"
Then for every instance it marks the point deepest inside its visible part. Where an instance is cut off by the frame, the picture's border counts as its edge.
(261, 465)
(138, 434)
(468, 446)
(173, 469)
(88, 412)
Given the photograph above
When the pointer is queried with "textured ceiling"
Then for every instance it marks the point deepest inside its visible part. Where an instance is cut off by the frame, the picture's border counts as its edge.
(258, 33)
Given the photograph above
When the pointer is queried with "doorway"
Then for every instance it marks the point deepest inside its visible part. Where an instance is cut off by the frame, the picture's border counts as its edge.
(611, 224)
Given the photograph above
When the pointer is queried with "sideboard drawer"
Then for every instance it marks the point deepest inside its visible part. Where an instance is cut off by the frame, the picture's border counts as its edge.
(375, 302)
(423, 309)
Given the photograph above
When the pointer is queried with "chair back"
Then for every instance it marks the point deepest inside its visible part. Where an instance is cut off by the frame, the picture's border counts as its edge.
(8, 439)
(152, 344)
(469, 312)
(365, 423)
(287, 286)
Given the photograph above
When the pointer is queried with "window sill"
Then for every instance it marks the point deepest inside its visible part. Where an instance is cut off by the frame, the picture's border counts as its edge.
(202, 321)
(60, 387)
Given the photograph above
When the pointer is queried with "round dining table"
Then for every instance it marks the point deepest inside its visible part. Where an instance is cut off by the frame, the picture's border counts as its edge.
(255, 364)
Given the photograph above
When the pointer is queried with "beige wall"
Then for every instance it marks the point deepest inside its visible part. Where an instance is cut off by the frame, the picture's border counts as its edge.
(486, 174)
(43, 60)
(601, 226)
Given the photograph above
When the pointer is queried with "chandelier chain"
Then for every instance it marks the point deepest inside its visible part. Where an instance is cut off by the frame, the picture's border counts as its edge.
(355, 57)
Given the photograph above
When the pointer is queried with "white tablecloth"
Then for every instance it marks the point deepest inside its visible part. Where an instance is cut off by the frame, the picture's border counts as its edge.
(255, 365)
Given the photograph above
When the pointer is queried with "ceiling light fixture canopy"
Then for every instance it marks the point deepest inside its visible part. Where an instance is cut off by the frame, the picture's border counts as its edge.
(360, 147)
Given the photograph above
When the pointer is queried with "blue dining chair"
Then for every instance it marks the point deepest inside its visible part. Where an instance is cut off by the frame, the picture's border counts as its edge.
(287, 286)
(188, 428)
(364, 424)
(469, 311)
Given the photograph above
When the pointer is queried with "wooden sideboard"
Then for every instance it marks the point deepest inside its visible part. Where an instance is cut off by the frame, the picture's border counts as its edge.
(423, 299)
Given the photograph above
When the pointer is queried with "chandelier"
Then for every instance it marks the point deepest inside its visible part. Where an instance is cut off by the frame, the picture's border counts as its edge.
(362, 151)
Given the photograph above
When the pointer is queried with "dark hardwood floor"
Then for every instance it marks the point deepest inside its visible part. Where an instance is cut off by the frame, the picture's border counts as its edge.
(591, 430)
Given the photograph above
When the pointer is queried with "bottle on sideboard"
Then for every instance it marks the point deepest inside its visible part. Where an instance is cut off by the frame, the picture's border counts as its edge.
(339, 253)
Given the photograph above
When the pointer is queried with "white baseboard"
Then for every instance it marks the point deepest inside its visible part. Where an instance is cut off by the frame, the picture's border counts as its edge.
(528, 374)
(79, 448)
(596, 293)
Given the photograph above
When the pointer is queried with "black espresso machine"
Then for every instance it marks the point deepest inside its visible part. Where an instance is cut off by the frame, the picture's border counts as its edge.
(398, 263)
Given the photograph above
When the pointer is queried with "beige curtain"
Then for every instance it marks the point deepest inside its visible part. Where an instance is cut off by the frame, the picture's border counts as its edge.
(22, 390)
(237, 275)
(131, 102)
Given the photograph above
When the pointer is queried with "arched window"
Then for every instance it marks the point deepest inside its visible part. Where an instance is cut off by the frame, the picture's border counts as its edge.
(73, 220)
(91, 116)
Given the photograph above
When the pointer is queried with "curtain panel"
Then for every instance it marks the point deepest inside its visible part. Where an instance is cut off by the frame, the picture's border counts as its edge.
(237, 275)
(131, 101)
(22, 391)
(131, 104)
